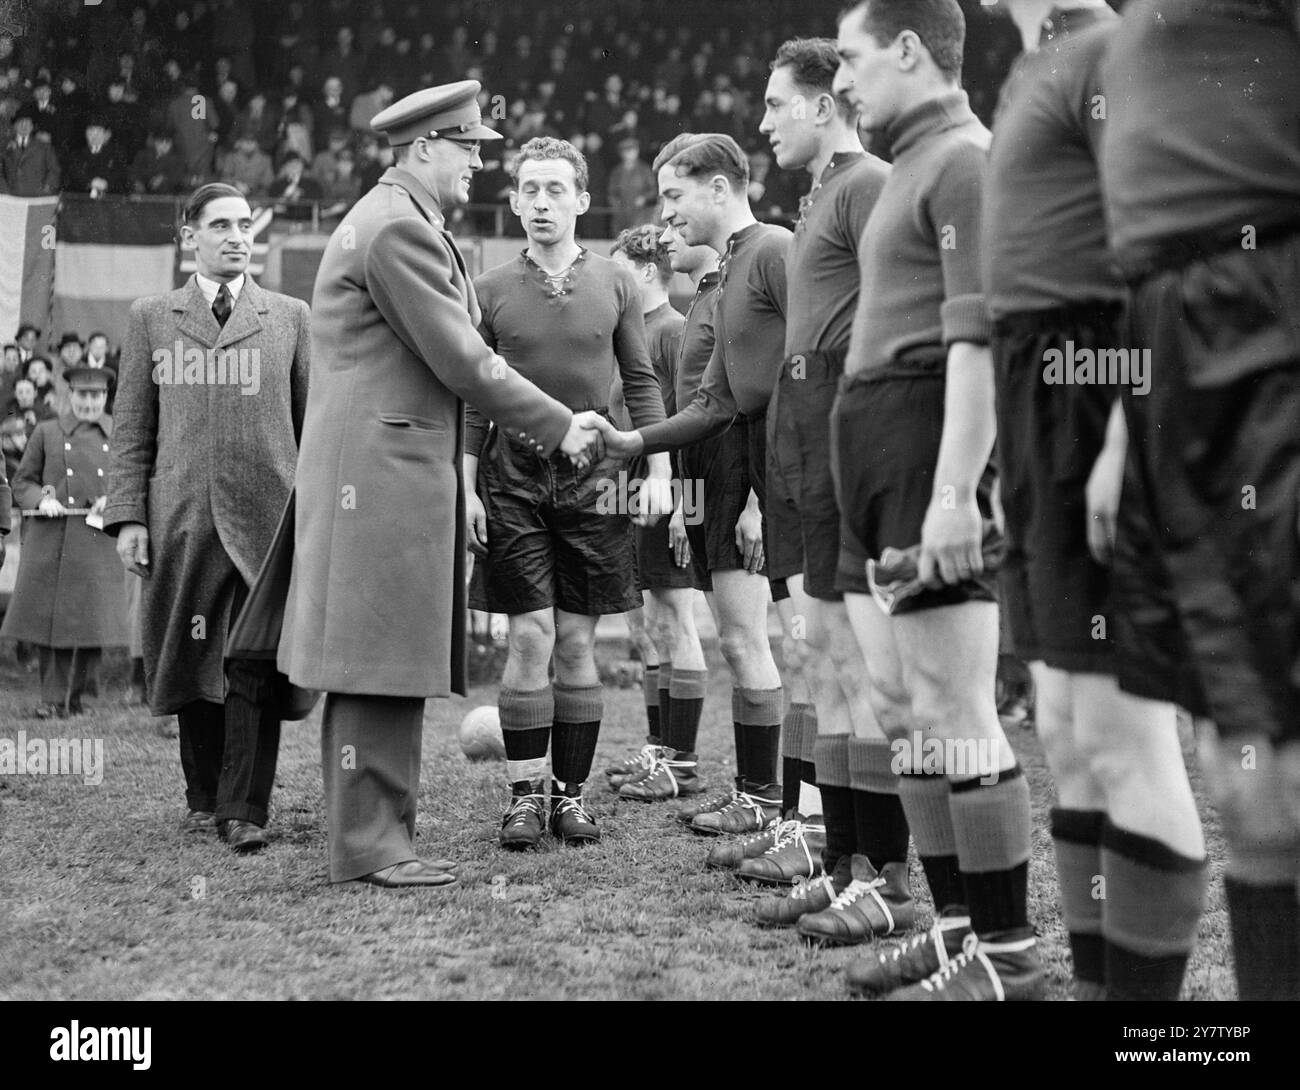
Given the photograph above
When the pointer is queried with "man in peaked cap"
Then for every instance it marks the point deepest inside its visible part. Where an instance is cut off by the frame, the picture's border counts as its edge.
(376, 604)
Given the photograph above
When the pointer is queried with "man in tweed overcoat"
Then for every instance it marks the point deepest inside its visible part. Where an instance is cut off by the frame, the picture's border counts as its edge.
(210, 404)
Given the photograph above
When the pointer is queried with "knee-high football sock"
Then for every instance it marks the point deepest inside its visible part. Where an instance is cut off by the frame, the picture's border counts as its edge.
(685, 706)
(574, 733)
(1076, 836)
(807, 758)
(880, 826)
(650, 689)
(526, 730)
(793, 725)
(925, 800)
(990, 823)
(834, 781)
(757, 714)
(1153, 903)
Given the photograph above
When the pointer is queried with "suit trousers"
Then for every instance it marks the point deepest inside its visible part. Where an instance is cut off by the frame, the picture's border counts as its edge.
(229, 751)
(370, 760)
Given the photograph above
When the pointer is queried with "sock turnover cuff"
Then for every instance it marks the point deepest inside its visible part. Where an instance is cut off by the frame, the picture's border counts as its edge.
(870, 766)
(831, 756)
(757, 707)
(991, 825)
(579, 703)
(526, 709)
(687, 684)
(1082, 827)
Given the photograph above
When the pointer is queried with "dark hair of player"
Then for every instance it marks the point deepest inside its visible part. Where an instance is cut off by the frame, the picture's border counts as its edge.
(542, 148)
(702, 155)
(641, 246)
(939, 24)
(813, 63)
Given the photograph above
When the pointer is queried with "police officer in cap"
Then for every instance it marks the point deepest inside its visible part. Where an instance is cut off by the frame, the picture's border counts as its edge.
(375, 615)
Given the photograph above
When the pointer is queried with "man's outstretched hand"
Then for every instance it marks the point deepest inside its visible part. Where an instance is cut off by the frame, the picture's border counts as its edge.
(623, 444)
(584, 441)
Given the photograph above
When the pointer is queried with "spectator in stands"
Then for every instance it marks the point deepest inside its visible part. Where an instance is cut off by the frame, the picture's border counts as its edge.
(325, 166)
(344, 63)
(27, 338)
(344, 186)
(233, 33)
(365, 106)
(296, 36)
(158, 170)
(227, 106)
(49, 124)
(195, 131)
(126, 74)
(9, 371)
(248, 167)
(72, 102)
(98, 167)
(97, 353)
(332, 111)
(374, 161)
(29, 168)
(70, 353)
(296, 129)
(38, 372)
(259, 121)
(294, 189)
(632, 188)
(126, 119)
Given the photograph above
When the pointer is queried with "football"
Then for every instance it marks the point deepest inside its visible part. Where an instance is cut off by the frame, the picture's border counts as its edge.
(480, 735)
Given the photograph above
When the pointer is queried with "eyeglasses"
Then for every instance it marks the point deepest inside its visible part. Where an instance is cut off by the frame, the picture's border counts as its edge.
(471, 146)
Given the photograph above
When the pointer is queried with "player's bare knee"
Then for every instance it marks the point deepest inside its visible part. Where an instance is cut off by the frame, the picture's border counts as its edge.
(531, 639)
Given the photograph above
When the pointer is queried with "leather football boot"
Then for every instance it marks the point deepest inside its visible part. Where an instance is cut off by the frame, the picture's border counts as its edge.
(525, 817)
(570, 821)
(985, 971)
(753, 809)
(909, 962)
(872, 904)
(806, 897)
(795, 853)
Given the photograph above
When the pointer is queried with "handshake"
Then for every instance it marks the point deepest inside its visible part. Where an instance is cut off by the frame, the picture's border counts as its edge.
(591, 436)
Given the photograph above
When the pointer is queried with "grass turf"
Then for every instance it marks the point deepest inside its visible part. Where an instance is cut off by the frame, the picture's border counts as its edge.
(103, 899)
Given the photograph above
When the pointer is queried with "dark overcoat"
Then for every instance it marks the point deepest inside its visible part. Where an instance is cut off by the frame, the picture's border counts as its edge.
(376, 600)
(206, 466)
(69, 591)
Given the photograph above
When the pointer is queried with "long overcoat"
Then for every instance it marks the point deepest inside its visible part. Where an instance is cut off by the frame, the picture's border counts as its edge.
(206, 465)
(376, 599)
(69, 591)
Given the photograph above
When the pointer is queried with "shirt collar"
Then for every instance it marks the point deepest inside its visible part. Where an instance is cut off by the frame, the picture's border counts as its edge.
(945, 111)
(211, 287)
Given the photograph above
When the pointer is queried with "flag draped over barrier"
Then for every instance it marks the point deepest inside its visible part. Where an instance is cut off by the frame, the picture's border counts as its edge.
(27, 240)
(109, 254)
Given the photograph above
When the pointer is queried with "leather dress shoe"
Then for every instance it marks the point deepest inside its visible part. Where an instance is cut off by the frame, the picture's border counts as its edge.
(243, 836)
(414, 872)
(199, 821)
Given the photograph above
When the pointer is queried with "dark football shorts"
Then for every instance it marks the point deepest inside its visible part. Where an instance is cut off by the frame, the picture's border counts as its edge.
(550, 542)
(715, 490)
(656, 567)
(782, 543)
(799, 461)
(1217, 443)
(1056, 597)
(886, 426)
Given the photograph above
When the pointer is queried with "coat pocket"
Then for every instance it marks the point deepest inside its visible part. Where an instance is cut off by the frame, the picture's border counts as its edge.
(416, 423)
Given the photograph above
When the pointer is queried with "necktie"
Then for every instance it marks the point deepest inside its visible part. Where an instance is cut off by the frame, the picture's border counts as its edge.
(221, 305)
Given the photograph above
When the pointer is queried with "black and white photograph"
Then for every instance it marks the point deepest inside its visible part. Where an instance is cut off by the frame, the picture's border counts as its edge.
(645, 500)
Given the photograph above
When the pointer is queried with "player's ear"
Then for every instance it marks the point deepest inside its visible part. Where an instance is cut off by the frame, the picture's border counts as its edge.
(584, 202)
(514, 202)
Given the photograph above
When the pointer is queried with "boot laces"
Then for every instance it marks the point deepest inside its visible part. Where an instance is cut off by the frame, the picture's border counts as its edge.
(521, 806)
(575, 806)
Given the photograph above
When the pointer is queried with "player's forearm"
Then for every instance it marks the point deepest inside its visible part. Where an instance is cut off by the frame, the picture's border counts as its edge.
(969, 421)
(698, 421)
(470, 470)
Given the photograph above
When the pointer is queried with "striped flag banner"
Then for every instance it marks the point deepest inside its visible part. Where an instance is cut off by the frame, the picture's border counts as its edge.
(27, 239)
(109, 254)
